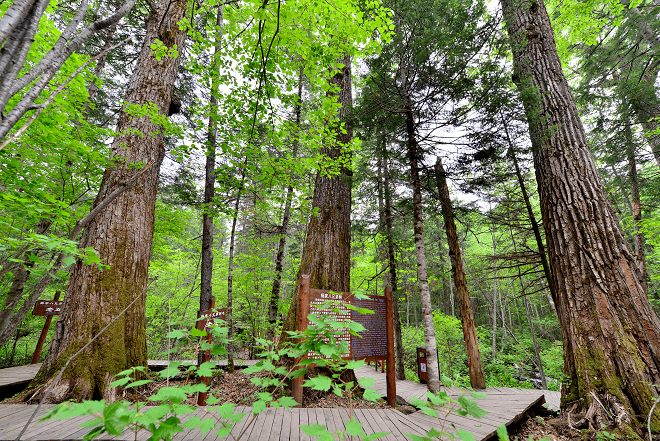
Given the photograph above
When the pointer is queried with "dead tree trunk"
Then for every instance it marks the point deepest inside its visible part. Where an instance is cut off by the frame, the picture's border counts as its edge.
(610, 333)
(476, 370)
(122, 235)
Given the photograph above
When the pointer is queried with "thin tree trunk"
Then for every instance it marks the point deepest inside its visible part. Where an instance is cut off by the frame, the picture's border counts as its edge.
(611, 334)
(477, 379)
(532, 219)
(433, 382)
(122, 235)
(636, 204)
(389, 232)
(494, 315)
(286, 216)
(230, 281)
(206, 285)
(206, 275)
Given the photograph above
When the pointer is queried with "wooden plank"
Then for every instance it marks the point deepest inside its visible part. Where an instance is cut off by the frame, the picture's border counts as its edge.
(276, 433)
(285, 433)
(294, 434)
(385, 416)
(378, 424)
(338, 421)
(406, 425)
(266, 429)
(304, 420)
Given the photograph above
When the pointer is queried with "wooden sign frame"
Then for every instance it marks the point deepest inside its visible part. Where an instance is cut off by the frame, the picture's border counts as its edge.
(307, 294)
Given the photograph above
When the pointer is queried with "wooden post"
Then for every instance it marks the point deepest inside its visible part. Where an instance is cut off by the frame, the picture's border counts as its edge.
(44, 333)
(389, 329)
(303, 312)
(206, 356)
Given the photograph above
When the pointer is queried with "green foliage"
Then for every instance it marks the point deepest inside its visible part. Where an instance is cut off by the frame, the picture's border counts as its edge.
(164, 420)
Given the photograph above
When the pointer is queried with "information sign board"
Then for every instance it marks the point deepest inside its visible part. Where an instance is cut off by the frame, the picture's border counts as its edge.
(47, 307)
(370, 344)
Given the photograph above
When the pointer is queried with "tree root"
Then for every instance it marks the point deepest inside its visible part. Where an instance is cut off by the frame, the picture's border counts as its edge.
(604, 411)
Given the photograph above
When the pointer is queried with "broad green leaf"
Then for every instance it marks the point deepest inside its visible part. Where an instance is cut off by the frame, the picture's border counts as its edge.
(464, 435)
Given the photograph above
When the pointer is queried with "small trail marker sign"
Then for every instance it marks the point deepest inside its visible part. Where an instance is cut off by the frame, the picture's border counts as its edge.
(47, 307)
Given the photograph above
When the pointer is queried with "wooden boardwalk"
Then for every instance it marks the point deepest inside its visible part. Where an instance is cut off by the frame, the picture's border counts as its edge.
(18, 374)
(505, 406)
(408, 390)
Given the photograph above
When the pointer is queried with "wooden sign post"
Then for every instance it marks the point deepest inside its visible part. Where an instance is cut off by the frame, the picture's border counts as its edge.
(375, 343)
(206, 320)
(49, 309)
(391, 369)
(303, 312)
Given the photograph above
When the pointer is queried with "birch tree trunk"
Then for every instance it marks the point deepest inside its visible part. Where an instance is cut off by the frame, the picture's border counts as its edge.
(122, 234)
(477, 379)
(433, 373)
(611, 335)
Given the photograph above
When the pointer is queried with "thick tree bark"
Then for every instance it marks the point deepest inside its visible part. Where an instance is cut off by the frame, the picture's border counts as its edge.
(610, 333)
(122, 234)
(326, 256)
(286, 216)
(476, 370)
(433, 382)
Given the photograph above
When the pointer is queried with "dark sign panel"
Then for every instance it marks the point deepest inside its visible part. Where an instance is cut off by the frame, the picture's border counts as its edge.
(47, 307)
(208, 316)
(371, 344)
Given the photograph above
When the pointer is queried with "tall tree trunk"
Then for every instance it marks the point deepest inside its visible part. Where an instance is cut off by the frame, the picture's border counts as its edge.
(122, 234)
(286, 216)
(326, 256)
(433, 382)
(389, 232)
(206, 286)
(477, 379)
(610, 333)
(206, 274)
(494, 314)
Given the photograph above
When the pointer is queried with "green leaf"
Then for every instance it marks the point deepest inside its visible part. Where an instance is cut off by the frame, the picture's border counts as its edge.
(371, 395)
(138, 383)
(319, 383)
(194, 332)
(353, 427)
(318, 431)
(258, 407)
(120, 382)
(430, 411)
(471, 407)
(502, 433)
(287, 402)
(173, 394)
(177, 333)
(464, 435)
